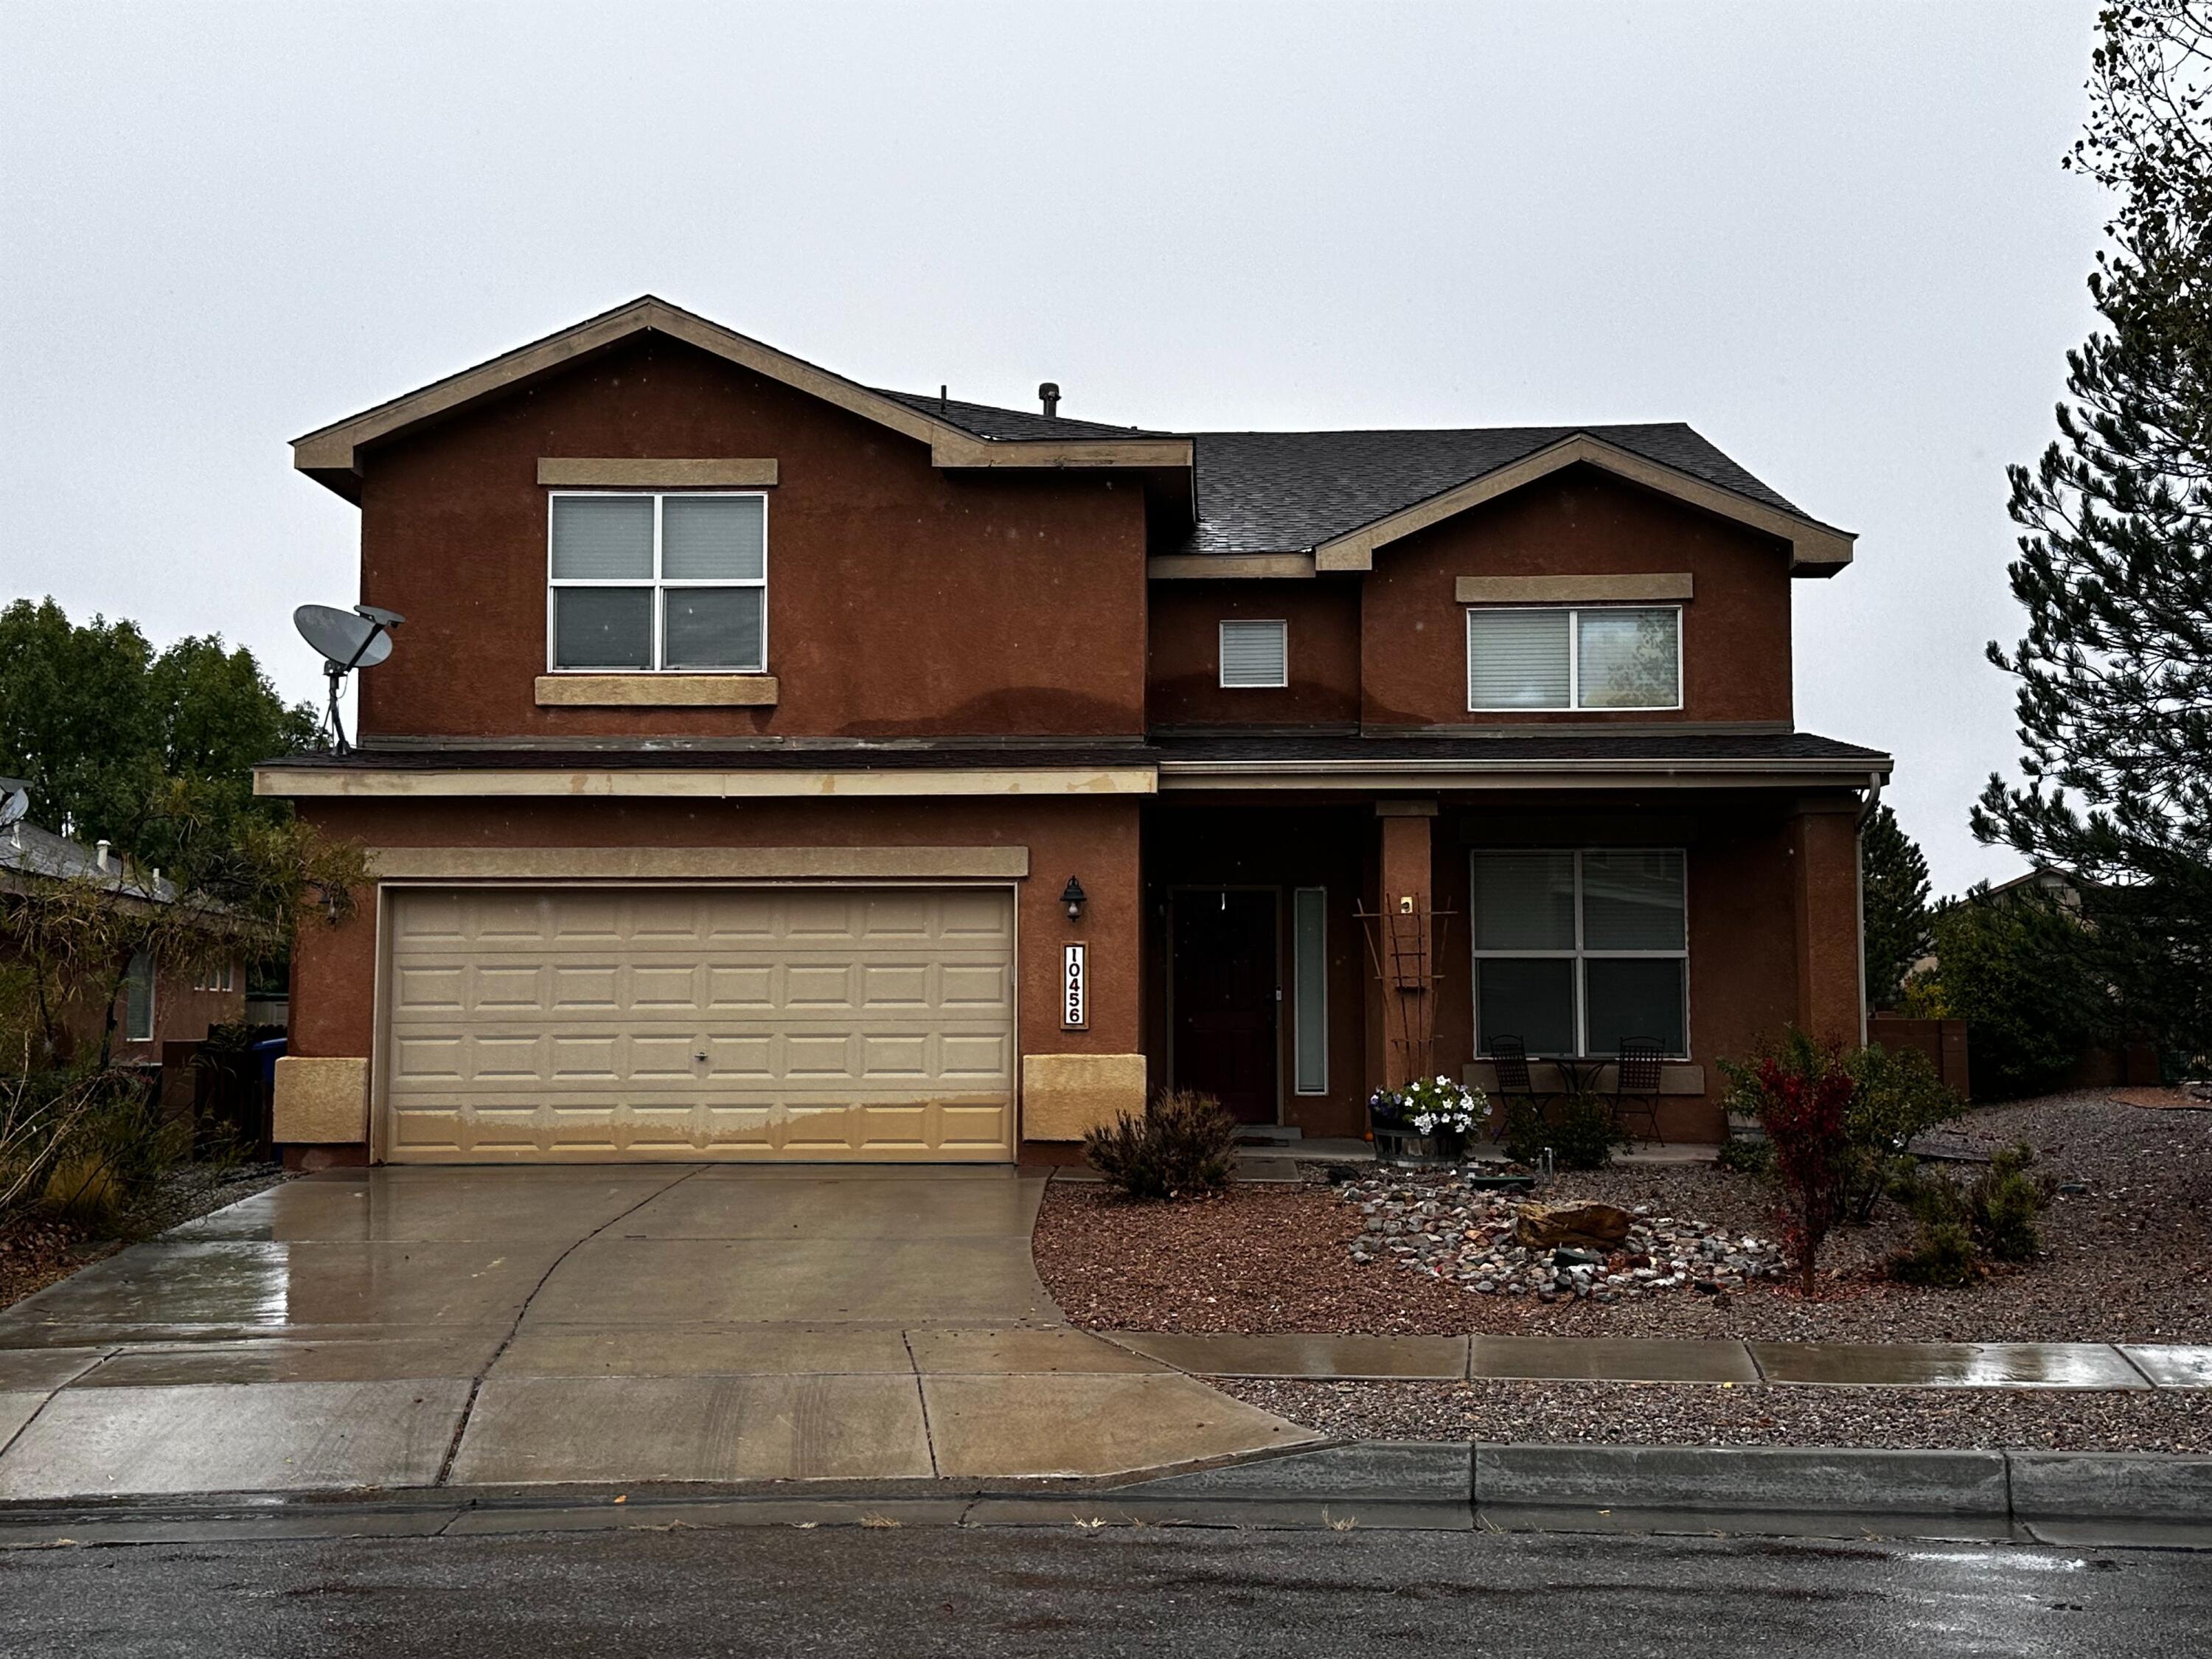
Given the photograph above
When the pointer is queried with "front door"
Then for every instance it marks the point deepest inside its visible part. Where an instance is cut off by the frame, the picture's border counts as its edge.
(1225, 999)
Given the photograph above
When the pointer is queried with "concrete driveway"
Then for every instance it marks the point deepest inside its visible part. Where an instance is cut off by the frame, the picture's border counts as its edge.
(596, 1324)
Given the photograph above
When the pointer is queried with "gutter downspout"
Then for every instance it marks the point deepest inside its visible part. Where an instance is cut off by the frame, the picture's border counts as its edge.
(1858, 844)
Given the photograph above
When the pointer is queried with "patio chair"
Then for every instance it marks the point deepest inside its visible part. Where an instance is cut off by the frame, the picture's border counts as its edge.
(1636, 1083)
(1509, 1056)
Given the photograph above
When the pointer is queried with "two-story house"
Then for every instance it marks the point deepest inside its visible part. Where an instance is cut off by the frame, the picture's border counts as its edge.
(759, 747)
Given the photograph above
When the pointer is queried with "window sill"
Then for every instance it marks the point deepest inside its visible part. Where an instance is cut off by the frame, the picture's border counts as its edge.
(645, 690)
(1676, 1077)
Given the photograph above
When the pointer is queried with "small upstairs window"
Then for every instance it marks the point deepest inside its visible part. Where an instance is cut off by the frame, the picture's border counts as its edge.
(651, 582)
(1255, 655)
(1538, 657)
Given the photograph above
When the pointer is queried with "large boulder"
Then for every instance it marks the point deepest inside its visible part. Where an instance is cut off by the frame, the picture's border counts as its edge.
(1547, 1226)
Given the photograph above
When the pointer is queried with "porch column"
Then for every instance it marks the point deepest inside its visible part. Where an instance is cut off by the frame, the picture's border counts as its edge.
(1404, 938)
(1824, 854)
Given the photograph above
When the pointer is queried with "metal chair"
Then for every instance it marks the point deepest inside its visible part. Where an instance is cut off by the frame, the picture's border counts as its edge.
(1636, 1083)
(1509, 1056)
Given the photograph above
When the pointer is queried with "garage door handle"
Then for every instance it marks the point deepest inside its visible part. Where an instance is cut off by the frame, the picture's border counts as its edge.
(702, 1054)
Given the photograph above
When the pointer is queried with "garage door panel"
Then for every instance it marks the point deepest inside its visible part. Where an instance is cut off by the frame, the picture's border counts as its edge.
(833, 1023)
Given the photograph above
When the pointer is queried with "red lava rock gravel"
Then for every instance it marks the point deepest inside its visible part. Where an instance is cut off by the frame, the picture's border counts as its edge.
(2129, 1259)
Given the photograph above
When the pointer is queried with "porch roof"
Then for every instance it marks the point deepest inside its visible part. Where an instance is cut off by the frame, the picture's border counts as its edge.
(1574, 759)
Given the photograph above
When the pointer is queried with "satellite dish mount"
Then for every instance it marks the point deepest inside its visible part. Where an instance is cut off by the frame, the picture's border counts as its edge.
(359, 638)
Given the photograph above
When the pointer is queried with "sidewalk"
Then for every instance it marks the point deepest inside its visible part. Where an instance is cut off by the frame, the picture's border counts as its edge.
(2090, 1366)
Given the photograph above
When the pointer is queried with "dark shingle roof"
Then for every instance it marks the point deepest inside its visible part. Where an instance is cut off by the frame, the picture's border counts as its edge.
(987, 421)
(1286, 492)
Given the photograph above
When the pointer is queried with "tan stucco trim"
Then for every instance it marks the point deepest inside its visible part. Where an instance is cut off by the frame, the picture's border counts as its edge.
(1676, 1077)
(320, 1101)
(613, 473)
(964, 449)
(698, 863)
(657, 690)
(1570, 590)
(332, 453)
(1232, 567)
(365, 784)
(1815, 549)
(1065, 1095)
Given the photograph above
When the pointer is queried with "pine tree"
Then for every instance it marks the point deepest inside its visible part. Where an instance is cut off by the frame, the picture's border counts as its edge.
(2115, 572)
(1894, 890)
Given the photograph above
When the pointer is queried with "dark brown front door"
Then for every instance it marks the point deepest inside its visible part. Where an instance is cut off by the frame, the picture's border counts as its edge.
(1224, 998)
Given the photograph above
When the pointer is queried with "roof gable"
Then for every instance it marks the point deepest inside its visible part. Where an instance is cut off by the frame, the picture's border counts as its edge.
(333, 454)
(1334, 497)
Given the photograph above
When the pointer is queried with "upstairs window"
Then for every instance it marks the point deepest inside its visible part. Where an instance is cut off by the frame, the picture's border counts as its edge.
(669, 582)
(1535, 657)
(1255, 655)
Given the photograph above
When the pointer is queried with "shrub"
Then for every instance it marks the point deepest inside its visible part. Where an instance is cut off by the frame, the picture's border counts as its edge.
(1181, 1147)
(1801, 1093)
(1741, 1155)
(1896, 1098)
(1993, 1216)
(2004, 1202)
(1582, 1133)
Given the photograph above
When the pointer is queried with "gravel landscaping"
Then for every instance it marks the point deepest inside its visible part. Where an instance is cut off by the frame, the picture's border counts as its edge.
(1690, 1414)
(2128, 1256)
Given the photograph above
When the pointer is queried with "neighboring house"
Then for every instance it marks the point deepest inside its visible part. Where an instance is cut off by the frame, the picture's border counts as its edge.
(157, 1004)
(758, 747)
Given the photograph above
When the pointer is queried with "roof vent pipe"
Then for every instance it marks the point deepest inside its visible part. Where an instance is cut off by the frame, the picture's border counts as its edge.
(1050, 395)
(99, 854)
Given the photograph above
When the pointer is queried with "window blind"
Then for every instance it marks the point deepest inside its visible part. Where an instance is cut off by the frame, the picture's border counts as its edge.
(1255, 654)
(1310, 946)
(1517, 659)
(603, 538)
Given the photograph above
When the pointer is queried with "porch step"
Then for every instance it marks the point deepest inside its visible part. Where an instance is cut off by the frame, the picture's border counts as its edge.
(1268, 1134)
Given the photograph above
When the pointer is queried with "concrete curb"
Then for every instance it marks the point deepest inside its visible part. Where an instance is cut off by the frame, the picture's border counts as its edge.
(2076, 1499)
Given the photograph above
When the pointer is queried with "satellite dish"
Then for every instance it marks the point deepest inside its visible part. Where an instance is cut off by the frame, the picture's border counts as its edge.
(359, 638)
(13, 809)
(347, 640)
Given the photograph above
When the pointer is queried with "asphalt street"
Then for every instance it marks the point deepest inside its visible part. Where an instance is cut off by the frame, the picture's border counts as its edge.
(788, 1590)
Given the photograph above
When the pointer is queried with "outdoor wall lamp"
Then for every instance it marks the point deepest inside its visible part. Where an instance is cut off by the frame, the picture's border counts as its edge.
(1072, 896)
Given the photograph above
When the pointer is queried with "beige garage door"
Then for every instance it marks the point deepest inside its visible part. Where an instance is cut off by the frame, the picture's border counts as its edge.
(541, 1025)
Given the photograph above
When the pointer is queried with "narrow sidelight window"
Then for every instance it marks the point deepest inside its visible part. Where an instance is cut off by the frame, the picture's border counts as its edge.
(1309, 970)
(1255, 654)
(1536, 657)
(1576, 953)
(138, 999)
(648, 582)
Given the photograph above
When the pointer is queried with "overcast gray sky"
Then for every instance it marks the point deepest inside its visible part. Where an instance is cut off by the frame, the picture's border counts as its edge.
(1833, 237)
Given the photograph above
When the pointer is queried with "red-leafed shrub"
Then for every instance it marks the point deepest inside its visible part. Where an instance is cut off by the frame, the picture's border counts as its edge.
(1802, 1093)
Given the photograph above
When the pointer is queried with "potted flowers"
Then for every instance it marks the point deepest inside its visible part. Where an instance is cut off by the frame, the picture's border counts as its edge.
(1430, 1118)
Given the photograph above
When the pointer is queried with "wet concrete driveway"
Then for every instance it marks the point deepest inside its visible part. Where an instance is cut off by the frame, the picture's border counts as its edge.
(409, 1327)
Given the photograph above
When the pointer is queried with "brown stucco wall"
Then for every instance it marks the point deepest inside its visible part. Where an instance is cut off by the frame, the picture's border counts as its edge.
(902, 600)
(1735, 632)
(1324, 639)
(334, 969)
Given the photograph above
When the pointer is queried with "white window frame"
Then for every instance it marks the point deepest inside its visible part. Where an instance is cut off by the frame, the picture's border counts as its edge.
(1581, 954)
(1221, 653)
(1298, 1086)
(1574, 703)
(216, 979)
(659, 584)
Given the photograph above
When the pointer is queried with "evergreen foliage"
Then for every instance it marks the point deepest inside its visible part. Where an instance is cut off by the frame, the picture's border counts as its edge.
(2115, 572)
(1893, 882)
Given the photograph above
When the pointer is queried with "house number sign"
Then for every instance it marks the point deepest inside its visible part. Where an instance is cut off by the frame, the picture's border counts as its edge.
(1075, 989)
